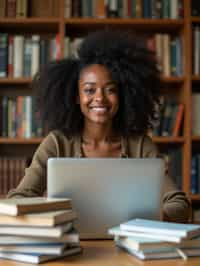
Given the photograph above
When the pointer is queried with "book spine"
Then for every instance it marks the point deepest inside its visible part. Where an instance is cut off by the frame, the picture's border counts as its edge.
(2, 8)
(10, 56)
(18, 59)
(67, 8)
(11, 8)
(3, 54)
(35, 60)
(4, 116)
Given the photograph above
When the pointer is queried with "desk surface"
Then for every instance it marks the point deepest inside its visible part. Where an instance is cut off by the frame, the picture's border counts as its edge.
(98, 253)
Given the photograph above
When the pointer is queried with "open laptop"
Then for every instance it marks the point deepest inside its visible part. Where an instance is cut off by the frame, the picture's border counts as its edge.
(107, 192)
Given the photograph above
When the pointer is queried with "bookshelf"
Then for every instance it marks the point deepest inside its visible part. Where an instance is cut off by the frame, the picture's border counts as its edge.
(179, 87)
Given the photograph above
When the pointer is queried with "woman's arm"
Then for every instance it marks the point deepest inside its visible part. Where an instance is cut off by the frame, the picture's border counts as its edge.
(176, 205)
(33, 183)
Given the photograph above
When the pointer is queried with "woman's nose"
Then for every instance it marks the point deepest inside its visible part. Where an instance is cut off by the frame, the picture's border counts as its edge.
(99, 96)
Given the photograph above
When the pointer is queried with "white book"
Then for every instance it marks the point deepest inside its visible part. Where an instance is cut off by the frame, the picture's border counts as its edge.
(166, 54)
(42, 248)
(28, 117)
(35, 60)
(71, 237)
(56, 231)
(116, 231)
(67, 8)
(174, 9)
(18, 56)
(163, 228)
(37, 258)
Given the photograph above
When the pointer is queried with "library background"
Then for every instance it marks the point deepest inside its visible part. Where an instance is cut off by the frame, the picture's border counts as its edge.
(33, 32)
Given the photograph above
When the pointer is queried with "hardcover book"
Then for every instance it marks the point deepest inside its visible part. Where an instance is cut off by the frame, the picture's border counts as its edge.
(47, 219)
(163, 228)
(17, 206)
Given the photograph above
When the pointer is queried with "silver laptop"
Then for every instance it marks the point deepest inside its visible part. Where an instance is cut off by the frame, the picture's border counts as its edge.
(107, 192)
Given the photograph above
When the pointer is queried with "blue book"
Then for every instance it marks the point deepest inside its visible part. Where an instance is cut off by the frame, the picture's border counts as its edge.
(38, 257)
(163, 228)
(159, 253)
(117, 231)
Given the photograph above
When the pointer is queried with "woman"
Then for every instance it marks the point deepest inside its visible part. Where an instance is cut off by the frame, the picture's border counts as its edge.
(100, 104)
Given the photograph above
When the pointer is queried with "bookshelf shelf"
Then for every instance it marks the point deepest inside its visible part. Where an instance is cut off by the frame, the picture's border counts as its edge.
(195, 138)
(15, 81)
(195, 78)
(195, 19)
(22, 80)
(20, 140)
(173, 79)
(195, 197)
(29, 24)
(167, 140)
(141, 24)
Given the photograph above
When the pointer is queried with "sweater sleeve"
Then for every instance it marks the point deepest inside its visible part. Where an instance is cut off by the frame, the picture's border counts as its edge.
(176, 205)
(33, 183)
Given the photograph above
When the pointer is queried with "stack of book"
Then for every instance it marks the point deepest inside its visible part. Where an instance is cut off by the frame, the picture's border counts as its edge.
(37, 229)
(148, 239)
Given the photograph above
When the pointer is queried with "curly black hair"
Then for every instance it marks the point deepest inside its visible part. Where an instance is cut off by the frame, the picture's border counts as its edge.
(132, 66)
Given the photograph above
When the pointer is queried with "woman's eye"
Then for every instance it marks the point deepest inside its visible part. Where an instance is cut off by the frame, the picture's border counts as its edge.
(111, 90)
(89, 90)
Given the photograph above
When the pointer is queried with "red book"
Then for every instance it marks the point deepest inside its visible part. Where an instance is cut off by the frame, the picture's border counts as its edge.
(178, 121)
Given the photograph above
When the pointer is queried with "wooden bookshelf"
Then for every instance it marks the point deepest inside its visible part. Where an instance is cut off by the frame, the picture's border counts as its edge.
(20, 141)
(180, 87)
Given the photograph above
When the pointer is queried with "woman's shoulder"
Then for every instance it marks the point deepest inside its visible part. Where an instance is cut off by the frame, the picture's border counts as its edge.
(141, 146)
(65, 146)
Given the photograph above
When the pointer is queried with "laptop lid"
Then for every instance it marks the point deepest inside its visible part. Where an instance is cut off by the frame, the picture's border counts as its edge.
(107, 192)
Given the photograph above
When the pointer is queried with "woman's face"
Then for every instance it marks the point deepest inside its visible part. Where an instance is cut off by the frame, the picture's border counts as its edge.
(98, 94)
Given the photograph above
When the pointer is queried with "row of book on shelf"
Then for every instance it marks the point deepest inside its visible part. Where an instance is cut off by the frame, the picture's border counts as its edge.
(12, 169)
(151, 239)
(22, 56)
(36, 229)
(170, 120)
(24, 8)
(19, 118)
(172, 9)
(168, 51)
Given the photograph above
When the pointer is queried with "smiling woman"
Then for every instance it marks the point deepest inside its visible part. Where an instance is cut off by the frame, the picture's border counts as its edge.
(100, 104)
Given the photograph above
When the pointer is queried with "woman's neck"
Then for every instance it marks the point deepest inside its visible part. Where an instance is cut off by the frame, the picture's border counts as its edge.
(98, 134)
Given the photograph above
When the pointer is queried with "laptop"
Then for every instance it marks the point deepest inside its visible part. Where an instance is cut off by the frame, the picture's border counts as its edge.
(106, 192)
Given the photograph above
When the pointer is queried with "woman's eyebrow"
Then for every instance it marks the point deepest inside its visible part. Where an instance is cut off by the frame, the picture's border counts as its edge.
(93, 83)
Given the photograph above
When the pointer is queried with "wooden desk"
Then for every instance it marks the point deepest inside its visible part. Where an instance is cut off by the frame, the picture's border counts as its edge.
(105, 253)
